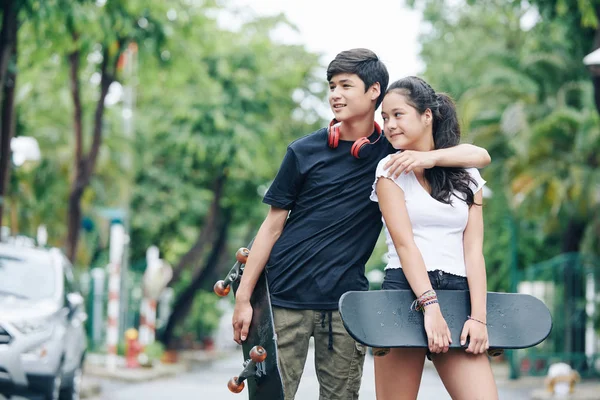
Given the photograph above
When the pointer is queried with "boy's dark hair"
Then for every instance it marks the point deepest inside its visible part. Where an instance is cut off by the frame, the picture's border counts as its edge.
(365, 64)
(446, 133)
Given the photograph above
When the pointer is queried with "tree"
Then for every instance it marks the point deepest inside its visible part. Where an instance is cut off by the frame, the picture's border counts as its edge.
(8, 76)
(214, 144)
(581, 19)
(522, 93)
(120, 29)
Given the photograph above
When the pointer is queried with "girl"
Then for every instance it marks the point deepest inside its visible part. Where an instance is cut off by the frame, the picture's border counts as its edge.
(434, 231)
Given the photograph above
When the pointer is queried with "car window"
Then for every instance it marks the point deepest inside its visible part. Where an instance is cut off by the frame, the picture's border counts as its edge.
(26, 278)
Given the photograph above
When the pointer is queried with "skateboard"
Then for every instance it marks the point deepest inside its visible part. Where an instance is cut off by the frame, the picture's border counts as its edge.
(383, 319)
(260, 366)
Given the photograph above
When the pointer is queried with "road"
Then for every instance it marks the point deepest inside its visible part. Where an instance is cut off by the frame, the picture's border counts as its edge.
(209, 382)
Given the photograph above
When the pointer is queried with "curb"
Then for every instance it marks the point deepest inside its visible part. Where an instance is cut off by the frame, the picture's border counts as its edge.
(133, 375)
(199, 358)
(89, 388)
(583, 391)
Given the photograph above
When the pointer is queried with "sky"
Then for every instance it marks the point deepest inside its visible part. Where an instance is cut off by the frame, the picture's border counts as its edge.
(387, 27)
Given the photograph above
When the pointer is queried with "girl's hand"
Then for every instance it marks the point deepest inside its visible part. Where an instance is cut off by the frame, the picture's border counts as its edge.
(438, 334)
(478, 337)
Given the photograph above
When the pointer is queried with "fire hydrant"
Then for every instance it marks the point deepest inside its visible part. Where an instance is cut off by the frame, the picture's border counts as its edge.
(561, 379)
(133, 348)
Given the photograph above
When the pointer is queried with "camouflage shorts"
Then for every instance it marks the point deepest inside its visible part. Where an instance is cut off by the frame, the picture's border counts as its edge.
(339, 359)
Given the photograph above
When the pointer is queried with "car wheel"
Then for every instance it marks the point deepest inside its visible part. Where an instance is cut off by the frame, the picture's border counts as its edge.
(53, 392)
(72, 391)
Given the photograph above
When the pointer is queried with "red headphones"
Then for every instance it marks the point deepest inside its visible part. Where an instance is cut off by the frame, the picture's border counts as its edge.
(333, 138)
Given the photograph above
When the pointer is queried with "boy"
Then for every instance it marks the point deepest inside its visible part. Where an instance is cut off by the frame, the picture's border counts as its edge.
(321, 227)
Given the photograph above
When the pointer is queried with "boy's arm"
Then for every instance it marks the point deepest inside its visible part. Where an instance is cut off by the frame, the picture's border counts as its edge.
(462, 155)
(267, 235)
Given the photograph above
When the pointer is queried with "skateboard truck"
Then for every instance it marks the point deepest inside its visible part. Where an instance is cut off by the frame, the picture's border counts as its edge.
(252, 367)
(223, 287)
(495, 352)
(382, 351)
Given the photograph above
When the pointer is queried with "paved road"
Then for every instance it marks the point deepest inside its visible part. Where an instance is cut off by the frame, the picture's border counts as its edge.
(209, 382)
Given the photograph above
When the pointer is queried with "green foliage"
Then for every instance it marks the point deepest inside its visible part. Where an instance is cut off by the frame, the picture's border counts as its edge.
(523, 93)
(232, 112)
(203, 318)
(207, 101)
(154, 351)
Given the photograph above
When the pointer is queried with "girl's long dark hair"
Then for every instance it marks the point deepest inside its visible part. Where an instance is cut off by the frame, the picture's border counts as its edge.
(444, 181)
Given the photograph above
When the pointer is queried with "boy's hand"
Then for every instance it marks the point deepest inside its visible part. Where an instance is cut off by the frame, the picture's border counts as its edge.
(408, 160)
(478, 337)
(242, 316)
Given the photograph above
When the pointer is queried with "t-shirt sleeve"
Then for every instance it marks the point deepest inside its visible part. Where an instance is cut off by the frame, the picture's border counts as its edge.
(284, 190)
(479, 181)
(381, 172)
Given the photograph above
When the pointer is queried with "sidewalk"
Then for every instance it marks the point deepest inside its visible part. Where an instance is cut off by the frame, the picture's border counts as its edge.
(585, 390)
(96, 371)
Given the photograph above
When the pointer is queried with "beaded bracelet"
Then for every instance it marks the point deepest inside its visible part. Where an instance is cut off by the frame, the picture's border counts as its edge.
(476, 320)
(427, 298)
(429, 303)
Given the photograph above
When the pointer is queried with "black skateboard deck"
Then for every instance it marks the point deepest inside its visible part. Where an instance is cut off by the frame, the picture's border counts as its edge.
(384, 319)
(260, 369)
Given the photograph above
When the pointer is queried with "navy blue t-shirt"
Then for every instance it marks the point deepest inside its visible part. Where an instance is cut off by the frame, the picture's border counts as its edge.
(332, 227)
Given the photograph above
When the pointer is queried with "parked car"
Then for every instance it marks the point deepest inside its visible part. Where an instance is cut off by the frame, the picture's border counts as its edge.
(42, 330)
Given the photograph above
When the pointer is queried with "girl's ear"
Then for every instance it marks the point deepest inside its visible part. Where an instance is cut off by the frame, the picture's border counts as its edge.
(428, 117)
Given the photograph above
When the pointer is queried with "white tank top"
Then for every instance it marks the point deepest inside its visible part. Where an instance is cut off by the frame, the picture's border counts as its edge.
(437, 227)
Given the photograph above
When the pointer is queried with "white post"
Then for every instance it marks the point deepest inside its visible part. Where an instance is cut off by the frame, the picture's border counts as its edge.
(148, 305)
(98, 279)
(116, 247)
(164, 307)
(590, 308)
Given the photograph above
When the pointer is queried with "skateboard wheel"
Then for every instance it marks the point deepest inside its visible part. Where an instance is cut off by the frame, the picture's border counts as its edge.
(258, 354)
(220, 289)
(242, 255)
(495, 352)
(380, 351)
(234, 386)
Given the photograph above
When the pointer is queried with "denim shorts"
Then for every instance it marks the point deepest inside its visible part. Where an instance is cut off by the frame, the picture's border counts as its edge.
(440, 280)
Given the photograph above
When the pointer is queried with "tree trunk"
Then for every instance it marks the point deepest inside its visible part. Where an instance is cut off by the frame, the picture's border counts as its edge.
(227, 259)
(596, 83)
(8, 131)
(78, 184)
(574, 313)
(184, 301)
(193, 257)
(8, 35)
(8, 51)
(84, 164)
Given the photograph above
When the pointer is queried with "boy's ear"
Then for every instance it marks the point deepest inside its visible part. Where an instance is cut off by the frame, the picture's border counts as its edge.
(375, 91)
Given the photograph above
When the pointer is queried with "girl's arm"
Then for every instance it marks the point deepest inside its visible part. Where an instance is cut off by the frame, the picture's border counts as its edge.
(395, 214)
(474, 261)
(476, 327)
(393, 207)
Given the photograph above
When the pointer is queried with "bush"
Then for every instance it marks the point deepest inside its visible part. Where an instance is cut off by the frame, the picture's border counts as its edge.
(203, 318)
